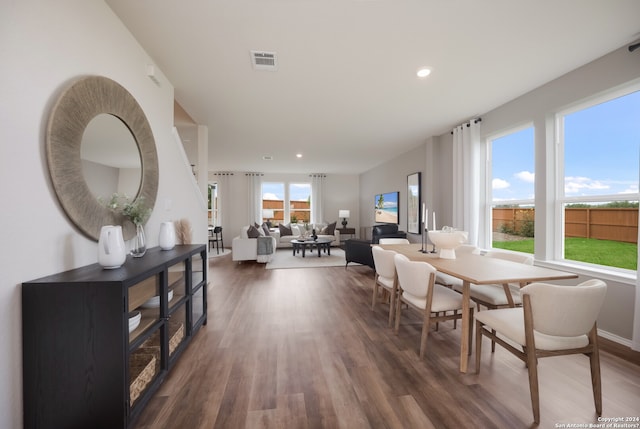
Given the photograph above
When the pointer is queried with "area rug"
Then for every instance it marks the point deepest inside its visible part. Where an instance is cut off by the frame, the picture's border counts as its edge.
(284, 258)
(223, 252)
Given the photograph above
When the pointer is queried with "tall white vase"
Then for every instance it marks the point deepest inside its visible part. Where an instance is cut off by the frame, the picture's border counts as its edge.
(111, 250)
(167, 239)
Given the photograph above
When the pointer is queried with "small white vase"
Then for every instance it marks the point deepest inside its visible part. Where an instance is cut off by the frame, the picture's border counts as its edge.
(111, 249)
(139, 246)
(167, 239)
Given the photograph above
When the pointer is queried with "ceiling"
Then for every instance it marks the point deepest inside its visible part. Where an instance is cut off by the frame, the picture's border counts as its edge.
(345, 94)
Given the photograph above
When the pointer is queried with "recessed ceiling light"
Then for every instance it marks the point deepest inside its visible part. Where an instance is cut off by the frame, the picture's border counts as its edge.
(299, 155)
(423, 72)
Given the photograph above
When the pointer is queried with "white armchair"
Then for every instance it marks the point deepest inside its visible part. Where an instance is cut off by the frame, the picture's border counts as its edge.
(244, 248)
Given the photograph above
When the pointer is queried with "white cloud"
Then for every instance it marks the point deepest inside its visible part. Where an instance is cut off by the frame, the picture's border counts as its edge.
(574, 185)
(526, 176)
(270, 196)
(632, 189)
(499, 184)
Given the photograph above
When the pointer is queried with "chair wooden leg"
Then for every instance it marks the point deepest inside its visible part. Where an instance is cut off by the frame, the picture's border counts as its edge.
(532, 360)
(478, 345)
(398, 310)
(532, 366)
(425, 332)
(392, 304)
(493, 343)
(375, 293)
(594, 361)
(470, 333)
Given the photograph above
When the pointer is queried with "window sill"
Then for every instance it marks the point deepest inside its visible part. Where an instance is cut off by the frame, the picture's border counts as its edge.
(617, 275)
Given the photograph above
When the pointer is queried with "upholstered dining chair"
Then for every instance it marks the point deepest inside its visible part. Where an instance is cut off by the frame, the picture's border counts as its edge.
(393, 241)
(450, 281)
(385, 276)
(554, 320)
(495, 296)
(417, 289)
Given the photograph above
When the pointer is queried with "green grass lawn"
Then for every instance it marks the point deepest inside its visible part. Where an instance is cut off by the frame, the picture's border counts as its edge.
(601, 252)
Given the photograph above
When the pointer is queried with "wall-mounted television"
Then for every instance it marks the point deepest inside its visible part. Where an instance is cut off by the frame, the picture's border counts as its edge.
(386, 207)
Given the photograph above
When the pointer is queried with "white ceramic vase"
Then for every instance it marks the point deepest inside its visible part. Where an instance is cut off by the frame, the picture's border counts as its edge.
(111, 249)
(167, 239)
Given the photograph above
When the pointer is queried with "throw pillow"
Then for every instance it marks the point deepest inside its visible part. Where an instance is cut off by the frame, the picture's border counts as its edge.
(253, 232)
(295, 230)
(330, 229)
(284, 230)
(265, 228)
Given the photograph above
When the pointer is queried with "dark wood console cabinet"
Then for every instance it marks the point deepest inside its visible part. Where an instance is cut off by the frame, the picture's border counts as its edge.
(83, 367)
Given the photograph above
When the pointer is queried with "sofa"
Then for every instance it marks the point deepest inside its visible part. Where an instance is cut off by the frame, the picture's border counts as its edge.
(386, 230)
(244, 247)
(285, 233)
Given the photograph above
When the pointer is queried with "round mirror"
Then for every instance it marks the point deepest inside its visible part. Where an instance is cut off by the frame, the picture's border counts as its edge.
(83, 101)
(110, 158)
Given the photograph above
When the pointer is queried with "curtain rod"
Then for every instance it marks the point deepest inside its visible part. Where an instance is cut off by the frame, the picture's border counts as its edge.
(475, 121)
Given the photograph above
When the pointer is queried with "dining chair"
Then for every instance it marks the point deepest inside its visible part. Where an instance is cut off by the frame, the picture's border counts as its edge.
(495, 296)
(449, 281)
(215, 238)
(417, 289)
(554, 320)
(385, 276)
(393, 241)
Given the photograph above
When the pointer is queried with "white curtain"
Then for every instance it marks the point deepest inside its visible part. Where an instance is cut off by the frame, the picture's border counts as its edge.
(466, 179)
(317, 197)
(254, 193)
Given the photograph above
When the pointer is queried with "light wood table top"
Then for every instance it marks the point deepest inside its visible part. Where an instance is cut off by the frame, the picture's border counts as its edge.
(477, 269)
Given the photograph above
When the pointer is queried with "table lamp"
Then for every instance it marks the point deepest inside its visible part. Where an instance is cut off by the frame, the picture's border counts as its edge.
(268, 215)
(344, 214)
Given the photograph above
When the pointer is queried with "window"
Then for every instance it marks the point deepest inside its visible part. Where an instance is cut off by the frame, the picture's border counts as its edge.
(512, 189)
(273, 198)
(300, 202)
(213, 214)
(598, 196)
(289, 202)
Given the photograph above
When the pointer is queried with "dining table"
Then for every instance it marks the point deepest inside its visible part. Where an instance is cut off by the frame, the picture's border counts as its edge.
(477, 269)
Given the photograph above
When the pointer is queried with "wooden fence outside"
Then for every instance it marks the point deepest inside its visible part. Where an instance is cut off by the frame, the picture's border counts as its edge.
(617, 224)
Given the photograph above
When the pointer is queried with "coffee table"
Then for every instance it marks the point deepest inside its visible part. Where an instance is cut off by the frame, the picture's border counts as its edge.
(320, 244)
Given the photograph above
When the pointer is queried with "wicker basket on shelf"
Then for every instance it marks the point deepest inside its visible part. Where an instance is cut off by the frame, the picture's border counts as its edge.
(142, 369)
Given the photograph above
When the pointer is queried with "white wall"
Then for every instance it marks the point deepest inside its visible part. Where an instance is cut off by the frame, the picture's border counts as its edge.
(341, 192)
(43, 46)
(391, 176)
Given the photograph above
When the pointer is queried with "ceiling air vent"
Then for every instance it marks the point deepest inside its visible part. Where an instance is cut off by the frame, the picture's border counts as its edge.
(264, 60)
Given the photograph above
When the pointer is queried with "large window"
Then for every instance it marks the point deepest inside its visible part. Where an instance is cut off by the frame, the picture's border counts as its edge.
(273, 198)
(512, 189)
(213, 211)
(300, 202)
(598, 196)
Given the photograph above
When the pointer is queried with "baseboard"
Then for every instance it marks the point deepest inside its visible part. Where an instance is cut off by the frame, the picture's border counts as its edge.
(618, 346)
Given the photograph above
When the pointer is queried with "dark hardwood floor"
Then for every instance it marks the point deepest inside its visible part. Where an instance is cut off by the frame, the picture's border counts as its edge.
(301, 348)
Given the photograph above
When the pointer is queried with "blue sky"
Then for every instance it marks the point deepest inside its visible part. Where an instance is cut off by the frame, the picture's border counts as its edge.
(602, 145)
(275, 191)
